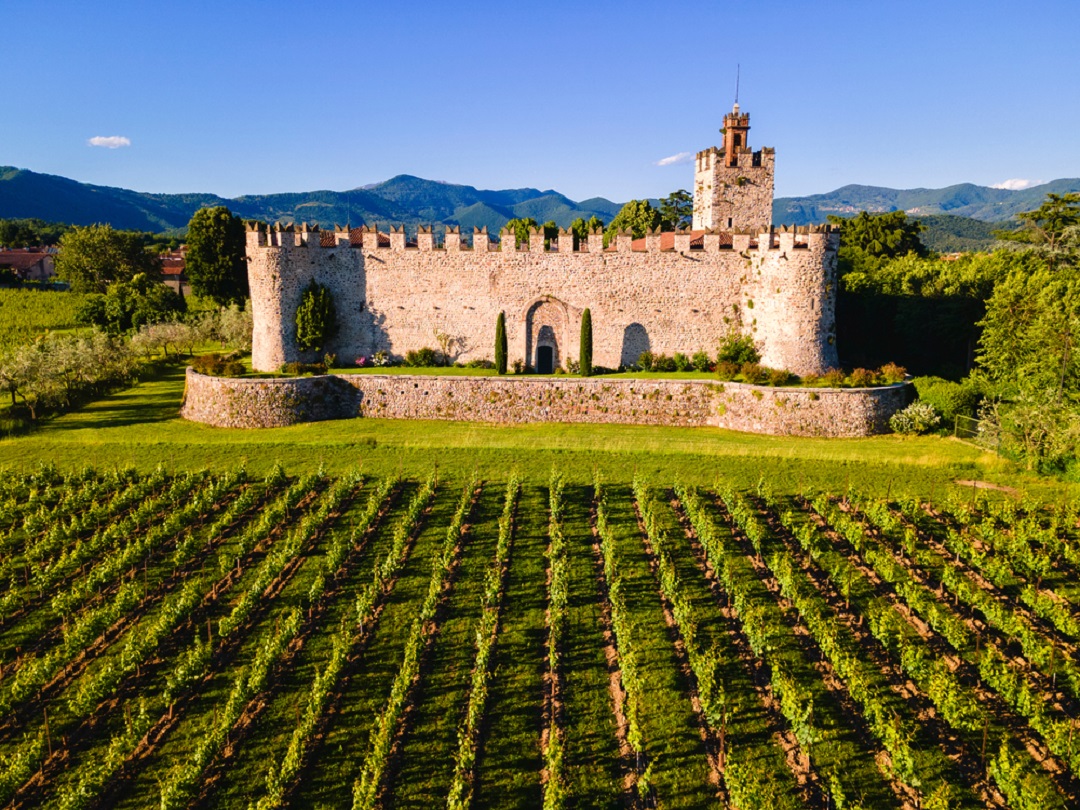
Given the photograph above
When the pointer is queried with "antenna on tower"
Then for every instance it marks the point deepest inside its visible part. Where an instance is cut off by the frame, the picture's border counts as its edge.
(737, 71)
(348, 208)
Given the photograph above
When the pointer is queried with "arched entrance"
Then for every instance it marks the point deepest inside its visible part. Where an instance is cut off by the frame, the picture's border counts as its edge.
(545, 330)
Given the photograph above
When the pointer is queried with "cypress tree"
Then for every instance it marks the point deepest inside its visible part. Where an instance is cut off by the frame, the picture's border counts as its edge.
(585, 351)
(316, 318)
(500, 344)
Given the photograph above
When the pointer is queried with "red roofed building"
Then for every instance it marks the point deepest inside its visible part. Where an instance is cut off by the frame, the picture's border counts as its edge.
(29, 264)
(172, 271)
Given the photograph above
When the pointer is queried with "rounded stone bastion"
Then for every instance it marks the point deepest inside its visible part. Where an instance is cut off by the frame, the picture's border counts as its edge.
(276, 402)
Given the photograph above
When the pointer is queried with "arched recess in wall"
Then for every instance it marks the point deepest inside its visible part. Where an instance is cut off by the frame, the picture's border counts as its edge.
(546, 323)
(635, 341)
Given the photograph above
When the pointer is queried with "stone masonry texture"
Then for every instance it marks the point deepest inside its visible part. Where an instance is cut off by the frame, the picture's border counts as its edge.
(394, 297)
(780, 288)
(252, 403)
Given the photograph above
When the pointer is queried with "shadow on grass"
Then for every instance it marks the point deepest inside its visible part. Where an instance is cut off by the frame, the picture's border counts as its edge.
(153, 399)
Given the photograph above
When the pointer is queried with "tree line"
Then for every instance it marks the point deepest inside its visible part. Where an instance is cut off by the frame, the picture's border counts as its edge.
(995, 333)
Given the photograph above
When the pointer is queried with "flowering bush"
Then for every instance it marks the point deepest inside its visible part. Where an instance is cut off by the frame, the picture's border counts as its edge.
(916, 418)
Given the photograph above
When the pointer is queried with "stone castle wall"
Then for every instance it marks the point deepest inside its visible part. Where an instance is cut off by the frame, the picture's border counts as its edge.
(778, 287)
(253, 403)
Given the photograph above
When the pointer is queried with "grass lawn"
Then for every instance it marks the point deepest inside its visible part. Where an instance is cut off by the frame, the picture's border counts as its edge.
(140, 427)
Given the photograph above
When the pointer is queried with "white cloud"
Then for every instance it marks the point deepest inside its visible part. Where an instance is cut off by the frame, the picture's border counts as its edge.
(109, 141)
(671, 160)
(1017, 184)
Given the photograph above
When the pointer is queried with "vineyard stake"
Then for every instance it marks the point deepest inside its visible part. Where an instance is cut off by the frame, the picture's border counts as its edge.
(48, 734)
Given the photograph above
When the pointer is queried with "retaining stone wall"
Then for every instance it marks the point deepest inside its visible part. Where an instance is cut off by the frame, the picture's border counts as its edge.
(246, 403)
(228, 402)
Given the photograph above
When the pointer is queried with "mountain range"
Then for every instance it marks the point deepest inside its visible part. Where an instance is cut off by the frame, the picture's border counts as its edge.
(963, 200)
(414, 201)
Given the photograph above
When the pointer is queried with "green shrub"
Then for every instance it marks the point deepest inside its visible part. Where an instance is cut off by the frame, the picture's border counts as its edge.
(217, 365)
(950, 399)
(780, 376)
(701, 361)
(303, 369)
(916, 418)
(736, 348)
(645, 360)
(726, 370)
(661, 362)
(862, 378)
(832, 378)
(423, 358)
(891, 373)
(485, 364)
(753, 373)
(682, 362)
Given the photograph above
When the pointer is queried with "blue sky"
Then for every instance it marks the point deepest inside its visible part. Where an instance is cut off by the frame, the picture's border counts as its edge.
(586, 98)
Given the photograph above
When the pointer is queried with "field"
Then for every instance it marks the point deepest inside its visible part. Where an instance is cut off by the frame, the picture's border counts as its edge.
(27, 313)
(376, 613)
(327, 640)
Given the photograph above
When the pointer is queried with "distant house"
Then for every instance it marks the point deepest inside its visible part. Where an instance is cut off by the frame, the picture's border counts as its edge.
(172, 271)
(29, 264)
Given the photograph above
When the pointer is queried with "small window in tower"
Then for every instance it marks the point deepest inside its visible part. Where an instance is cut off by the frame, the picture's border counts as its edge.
(729, 222)
(738, 140)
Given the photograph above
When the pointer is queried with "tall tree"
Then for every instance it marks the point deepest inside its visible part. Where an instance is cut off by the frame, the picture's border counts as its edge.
(585, 350)
(582, 228)
(521, 229)
(316, 318)
(93, 257)
(1046, 227)
(215, 262)
(638, 216)
(677, 210)
(868, 241)
(500, 344)
(130, 304)
(881, 235)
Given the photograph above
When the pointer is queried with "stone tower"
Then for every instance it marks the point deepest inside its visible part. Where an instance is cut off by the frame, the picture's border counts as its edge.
(733, 186)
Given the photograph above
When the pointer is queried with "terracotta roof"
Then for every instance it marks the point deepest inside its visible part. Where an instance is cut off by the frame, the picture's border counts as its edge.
(667, 241)
(21, 259)
(172, 265)
(356, 239)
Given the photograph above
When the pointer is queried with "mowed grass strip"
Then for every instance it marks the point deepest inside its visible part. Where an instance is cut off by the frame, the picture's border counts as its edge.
(676, 762)
(509, 761)
(140, 426)
(592, 765)
(328, 779)
(425, 765)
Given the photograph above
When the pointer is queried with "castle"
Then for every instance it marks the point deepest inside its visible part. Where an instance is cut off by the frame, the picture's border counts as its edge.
(666, 293)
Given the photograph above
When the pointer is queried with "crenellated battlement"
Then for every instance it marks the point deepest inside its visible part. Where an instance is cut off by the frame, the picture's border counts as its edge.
(665, 292)
(709, 240)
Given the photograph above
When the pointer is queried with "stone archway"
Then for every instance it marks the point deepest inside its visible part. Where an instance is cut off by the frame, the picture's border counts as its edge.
(546, 325)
